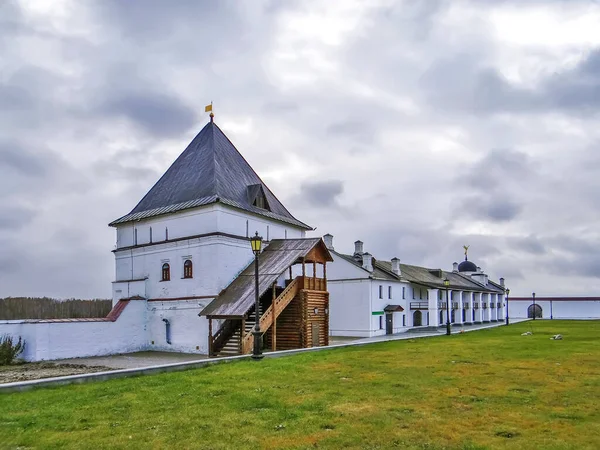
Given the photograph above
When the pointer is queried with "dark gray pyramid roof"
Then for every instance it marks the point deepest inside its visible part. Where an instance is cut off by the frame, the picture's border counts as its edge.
(210, 170)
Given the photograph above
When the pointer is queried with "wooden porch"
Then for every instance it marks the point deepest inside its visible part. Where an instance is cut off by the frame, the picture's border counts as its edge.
(293, 313)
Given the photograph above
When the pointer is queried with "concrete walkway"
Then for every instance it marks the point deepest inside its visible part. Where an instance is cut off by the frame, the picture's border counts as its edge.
(133, 360)
(415, 333)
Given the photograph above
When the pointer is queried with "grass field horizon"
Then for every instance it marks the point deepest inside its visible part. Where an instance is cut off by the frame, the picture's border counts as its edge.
(486, 389)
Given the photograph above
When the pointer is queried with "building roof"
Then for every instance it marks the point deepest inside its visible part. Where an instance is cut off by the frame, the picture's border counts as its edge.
(377, 272)
(432, 278)
(210, 170)
(237, 298)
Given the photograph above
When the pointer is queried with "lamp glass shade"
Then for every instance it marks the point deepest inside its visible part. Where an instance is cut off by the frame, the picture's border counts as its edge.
(256, 243)
(446, 282)
(507, 291)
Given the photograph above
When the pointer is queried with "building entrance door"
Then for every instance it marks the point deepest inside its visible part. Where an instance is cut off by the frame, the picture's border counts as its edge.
(417, 318)
(389, 323)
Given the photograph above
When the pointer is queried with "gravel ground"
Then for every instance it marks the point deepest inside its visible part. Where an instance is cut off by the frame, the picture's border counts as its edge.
(35, 371)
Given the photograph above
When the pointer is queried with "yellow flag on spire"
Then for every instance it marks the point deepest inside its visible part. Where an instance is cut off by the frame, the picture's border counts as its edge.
(208, 108)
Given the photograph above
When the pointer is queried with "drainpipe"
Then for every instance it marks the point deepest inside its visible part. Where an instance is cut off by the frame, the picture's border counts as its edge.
(167, 330)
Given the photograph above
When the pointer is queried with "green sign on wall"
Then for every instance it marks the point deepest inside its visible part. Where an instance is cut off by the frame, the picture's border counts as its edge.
(377, 313)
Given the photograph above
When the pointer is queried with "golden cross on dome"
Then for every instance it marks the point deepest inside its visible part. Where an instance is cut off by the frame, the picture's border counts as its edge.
(466, 247)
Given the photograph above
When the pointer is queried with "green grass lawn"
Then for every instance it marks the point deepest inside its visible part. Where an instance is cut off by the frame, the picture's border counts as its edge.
(485, 389)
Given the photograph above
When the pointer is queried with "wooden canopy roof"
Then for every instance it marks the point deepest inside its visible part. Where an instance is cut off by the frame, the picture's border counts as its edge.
(237, 298)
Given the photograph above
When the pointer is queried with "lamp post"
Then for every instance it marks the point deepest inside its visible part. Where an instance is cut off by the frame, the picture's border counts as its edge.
(507, 293)
(256, 243)
(446, 285)
(533, 296)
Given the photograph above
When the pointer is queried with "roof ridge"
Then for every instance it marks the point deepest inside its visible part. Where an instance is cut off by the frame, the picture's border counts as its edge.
(215, 179)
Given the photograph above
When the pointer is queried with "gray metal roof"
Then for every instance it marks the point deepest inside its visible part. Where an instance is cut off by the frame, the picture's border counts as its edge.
(377, 272)
(237, 298)
(433, 278)
(210, 170)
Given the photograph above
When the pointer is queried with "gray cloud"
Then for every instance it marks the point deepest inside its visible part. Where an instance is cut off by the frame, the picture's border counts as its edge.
(530, 244)
(356, 130)
(15, 158)
(15, 217)
(499, 167)
(322, 193)
(460, 83)
(495, 209)
(156, 113)
(430, 147)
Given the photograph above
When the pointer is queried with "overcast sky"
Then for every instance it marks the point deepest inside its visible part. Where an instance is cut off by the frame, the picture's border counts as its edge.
(416, 127)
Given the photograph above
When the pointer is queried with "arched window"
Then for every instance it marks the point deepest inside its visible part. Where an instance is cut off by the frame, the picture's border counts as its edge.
(187, 269)
(166, 272)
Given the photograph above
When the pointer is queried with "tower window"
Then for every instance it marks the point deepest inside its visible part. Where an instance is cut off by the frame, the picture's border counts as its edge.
(257, 197)
(166, 272)
(187, 269)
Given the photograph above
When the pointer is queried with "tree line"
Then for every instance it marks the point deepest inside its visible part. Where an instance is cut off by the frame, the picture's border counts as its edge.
(15, 308)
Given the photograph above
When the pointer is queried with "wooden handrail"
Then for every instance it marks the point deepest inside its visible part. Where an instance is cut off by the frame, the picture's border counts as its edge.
(266, 319)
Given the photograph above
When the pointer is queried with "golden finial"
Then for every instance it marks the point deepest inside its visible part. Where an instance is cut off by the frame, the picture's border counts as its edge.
(466, 247)
(208, 108)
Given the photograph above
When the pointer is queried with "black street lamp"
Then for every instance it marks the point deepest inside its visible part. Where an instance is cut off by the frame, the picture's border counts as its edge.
(507, 293)
(447, 284)
(256, 242)
(533, 296)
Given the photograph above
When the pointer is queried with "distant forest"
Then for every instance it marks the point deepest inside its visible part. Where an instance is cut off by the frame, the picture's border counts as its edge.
(15, 308)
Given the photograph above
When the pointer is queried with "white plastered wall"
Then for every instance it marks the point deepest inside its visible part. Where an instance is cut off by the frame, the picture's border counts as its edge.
(57, 340)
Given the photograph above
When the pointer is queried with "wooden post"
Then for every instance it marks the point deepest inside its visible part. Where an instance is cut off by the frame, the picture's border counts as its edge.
(303, 273)
(241, 343)
(324, 275)
(291, 273)
(210, 337)
(274, 326)
(314, 275)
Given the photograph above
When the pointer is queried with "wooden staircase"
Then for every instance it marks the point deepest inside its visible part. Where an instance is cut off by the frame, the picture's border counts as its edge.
(231, 340)
(273, 311)
(230, 343)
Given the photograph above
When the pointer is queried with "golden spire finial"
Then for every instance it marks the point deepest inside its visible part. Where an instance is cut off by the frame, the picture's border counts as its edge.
(466, 247)
(208, 108)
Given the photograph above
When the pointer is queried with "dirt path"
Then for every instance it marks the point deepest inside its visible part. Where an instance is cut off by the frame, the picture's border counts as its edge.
(35, 371)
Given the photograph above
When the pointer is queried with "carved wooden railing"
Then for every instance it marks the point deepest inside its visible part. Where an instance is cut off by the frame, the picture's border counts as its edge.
(315, 284)
(278, 305)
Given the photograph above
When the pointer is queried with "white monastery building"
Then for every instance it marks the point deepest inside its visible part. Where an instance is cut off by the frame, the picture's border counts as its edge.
(371, 297)
(184, 276)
